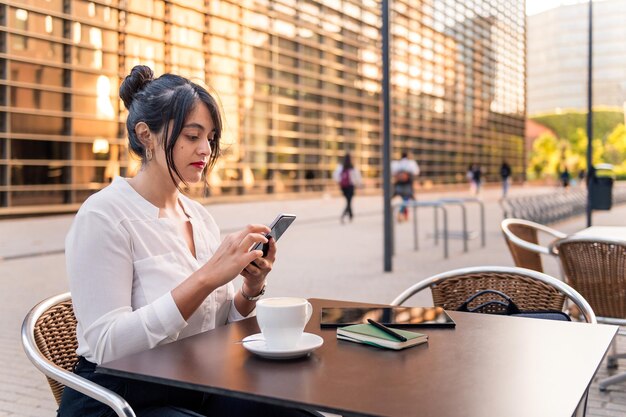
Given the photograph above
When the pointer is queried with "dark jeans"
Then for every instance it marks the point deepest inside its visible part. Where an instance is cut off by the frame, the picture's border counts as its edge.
(155, 400)
(404, 190)
(348, 193)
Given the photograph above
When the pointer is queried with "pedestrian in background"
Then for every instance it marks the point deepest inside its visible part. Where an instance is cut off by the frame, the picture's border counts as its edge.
(348, 177)
(476, 177)
(470, 178)
(565, 177)
(505, 174)
(404, 172)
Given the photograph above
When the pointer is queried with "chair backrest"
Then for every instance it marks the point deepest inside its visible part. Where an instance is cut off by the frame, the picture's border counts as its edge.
(522, 238)
(524, 258)
(530, 290)
(49, 341)
(55, 335)
(597, 269)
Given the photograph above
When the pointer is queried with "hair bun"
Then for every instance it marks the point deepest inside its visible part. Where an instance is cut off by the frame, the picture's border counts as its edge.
(138, 78)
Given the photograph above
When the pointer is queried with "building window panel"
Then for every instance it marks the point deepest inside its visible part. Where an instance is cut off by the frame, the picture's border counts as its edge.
(33, 123)
(34, 98)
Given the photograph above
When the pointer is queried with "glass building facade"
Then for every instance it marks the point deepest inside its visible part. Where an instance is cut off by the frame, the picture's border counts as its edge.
(299, 82)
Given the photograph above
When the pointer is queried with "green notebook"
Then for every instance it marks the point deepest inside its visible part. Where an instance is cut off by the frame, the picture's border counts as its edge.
(370, 335)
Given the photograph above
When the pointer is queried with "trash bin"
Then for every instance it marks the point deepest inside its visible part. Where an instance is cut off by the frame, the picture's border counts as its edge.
(601, 187)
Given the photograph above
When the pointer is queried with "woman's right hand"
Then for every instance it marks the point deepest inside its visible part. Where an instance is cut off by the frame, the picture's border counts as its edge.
(234, 254)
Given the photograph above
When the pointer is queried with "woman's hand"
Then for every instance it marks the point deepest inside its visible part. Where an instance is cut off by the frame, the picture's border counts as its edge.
(255, 273)
(234, 254)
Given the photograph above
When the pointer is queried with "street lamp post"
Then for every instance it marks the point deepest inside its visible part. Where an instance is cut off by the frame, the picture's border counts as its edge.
(388, 238)
(590, 171)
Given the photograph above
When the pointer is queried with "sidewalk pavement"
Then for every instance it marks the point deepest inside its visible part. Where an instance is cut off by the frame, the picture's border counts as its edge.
(317, 257)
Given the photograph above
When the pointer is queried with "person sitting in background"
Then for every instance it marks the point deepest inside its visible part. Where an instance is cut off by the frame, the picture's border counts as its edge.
(145, 262)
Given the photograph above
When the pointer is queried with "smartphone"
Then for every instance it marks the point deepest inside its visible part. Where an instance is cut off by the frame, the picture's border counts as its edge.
(278, 227)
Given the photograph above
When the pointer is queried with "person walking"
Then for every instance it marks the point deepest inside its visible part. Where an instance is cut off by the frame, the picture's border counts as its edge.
(565, 177)
(404, 173)
(476, 178)
(470, 178)
(348, 177)
(505, 174)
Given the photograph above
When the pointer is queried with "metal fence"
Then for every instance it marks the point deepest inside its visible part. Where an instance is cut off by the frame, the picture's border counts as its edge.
(555, 206)
(445, 234)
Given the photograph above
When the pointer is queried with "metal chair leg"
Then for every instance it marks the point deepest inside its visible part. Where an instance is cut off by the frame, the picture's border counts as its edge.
(616, 379)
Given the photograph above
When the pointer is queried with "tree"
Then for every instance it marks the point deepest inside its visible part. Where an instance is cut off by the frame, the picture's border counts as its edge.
(545, 156)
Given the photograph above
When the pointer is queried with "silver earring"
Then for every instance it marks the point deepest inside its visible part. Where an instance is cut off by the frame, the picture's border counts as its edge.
(149, 154)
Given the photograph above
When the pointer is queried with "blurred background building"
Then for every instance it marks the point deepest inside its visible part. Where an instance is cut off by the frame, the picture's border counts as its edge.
(557, 57)
(299, 81)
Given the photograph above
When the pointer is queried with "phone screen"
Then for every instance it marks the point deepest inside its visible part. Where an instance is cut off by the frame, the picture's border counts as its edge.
(278, 227)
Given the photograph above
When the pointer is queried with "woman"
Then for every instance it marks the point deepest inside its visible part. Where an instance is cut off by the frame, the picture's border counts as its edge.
(145, 262)
(347, 176)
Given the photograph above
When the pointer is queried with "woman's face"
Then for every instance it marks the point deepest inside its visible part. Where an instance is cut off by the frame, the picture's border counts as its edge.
(192, 150)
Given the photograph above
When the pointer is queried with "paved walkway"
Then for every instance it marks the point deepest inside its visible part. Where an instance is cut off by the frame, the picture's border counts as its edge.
(318, 257)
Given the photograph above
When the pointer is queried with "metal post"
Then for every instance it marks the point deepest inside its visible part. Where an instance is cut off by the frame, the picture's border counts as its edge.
(415, 240)
(386, 139)
(590, 170)
(483, 240)
(445, 231)
(436, 225)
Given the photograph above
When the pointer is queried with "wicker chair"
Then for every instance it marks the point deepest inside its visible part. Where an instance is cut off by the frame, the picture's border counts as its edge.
(522, 237)
(49, 340)
(597, 269)
(530, 290)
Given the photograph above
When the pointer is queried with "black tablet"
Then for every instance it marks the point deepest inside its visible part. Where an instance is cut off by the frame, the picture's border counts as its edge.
(389, 316)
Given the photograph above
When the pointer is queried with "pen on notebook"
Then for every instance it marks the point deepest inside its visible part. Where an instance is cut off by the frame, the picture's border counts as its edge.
(387, 330)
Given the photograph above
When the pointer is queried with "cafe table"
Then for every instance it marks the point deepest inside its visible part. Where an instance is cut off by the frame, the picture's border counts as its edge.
(604, 232)
(487, 365)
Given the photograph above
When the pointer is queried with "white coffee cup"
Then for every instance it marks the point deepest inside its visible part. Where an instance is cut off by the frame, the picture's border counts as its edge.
(282, 320)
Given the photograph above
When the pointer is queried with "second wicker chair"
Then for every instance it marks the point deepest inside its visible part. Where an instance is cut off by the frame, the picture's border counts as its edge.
(522, 238)
(529, 290)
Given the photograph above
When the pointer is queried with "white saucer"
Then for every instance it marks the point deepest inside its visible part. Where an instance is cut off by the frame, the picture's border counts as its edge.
(255, 343)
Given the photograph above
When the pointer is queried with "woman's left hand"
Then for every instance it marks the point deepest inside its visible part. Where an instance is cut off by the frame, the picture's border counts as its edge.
(255, 273)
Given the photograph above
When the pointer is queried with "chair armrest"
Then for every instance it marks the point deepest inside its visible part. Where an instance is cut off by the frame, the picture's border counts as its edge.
(533, 247)
(69, 379)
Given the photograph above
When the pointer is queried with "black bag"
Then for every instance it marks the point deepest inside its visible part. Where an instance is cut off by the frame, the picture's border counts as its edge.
(508, 308)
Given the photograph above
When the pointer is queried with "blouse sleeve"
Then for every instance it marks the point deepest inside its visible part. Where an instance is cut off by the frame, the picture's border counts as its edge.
(100, 268)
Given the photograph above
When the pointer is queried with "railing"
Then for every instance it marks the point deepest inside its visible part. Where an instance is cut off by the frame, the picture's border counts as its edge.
(465, 234)
(555, 206)
(436, 205)
(440, 205)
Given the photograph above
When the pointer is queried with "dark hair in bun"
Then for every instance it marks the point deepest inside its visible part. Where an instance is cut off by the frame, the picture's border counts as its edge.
(161, 101)
(134, 82)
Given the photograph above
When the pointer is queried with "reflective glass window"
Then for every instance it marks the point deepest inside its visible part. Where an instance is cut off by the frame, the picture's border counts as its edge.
(32, 123)
(35, 48)
(34, 73)
(35, 98)
(92, 127)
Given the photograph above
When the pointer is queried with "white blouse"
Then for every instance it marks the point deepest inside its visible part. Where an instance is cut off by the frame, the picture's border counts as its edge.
(123, 261)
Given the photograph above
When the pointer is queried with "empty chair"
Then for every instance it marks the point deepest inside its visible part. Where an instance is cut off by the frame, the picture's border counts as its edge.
(522, 237)
(529, 290)
(49, 340)
(596, 268)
